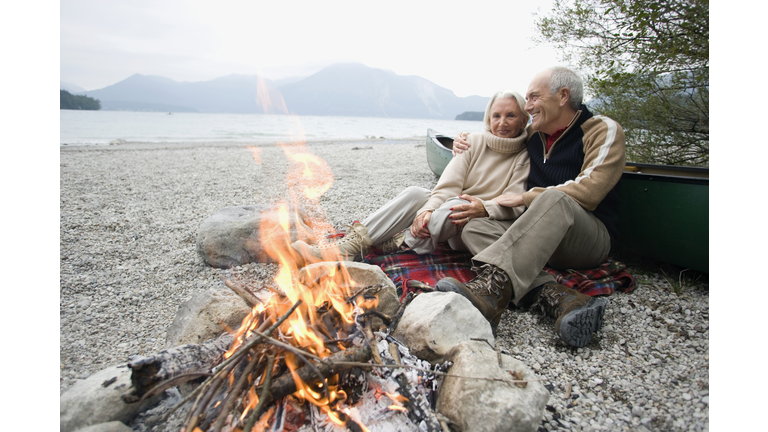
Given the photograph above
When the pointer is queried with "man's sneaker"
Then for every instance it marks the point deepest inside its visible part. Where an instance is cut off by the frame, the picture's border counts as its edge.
(393, 245)
(355, 243)
(490, 292)
(578, 315)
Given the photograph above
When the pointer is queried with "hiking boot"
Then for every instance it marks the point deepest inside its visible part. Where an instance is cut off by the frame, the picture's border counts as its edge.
(355, 243)
(490, 291)
(393, 245)
(578, 315)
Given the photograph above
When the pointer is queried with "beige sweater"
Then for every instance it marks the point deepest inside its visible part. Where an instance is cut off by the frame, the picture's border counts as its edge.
(491, 167)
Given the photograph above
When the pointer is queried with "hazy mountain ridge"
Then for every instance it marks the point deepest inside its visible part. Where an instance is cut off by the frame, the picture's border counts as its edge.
(340, 90)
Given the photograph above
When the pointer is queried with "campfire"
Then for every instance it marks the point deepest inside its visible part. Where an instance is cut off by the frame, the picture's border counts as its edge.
(316, 349)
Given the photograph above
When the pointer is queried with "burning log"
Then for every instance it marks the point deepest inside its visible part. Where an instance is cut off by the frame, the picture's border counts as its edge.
(286, 384)
(174, 366)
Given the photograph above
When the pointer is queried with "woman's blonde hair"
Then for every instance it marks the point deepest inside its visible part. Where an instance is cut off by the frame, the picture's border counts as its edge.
(501, 95)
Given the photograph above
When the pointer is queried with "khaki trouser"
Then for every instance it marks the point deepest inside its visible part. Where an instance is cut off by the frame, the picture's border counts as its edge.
(555, 230)
(398, 214)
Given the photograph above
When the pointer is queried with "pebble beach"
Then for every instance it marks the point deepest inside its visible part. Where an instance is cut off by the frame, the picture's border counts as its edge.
(129, 215)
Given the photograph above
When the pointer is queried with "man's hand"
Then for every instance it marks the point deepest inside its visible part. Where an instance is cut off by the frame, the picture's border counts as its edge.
(463, 213)
(419, 226)
(509, 200)
(460, 143)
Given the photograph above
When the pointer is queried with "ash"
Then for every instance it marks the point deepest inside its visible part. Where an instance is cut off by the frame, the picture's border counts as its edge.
(373, 408)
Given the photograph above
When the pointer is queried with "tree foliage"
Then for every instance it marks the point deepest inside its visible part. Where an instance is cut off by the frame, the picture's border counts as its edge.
(78, 102)
(646, 64)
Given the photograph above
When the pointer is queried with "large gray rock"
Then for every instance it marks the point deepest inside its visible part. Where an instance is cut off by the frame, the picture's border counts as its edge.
(206, 316)
(233, 235)
(363, 275)
(89, 402)
(479, 405)
(435, 322)
(114, 426)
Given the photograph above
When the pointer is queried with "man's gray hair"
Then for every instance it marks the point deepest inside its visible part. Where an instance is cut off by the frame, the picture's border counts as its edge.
(503, 95)
(564, 77)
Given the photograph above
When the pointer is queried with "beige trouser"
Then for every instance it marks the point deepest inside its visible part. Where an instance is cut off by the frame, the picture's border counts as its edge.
(398, 214)
(555, 230)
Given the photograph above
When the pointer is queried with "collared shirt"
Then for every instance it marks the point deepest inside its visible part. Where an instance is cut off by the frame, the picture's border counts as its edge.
(552, 138)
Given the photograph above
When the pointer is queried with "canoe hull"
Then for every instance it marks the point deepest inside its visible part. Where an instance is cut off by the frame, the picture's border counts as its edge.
(664, 214)
(438, 151)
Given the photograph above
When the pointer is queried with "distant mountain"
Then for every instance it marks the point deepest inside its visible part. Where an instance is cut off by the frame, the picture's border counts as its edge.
(72, 88)
(341, 89)
(354, 89)
(233, 93)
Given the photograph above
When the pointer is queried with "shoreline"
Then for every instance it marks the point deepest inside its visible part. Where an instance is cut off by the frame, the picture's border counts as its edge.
(129, 215)
(137, 145)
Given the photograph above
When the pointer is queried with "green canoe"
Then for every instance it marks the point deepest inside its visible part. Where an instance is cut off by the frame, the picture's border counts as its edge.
(664, 214)
(663, 210)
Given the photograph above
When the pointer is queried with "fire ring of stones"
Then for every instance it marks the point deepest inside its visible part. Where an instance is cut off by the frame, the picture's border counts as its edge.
(332, 348)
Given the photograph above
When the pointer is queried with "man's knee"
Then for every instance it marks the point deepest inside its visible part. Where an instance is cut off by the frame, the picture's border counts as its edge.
(549, 197)
(474, 227)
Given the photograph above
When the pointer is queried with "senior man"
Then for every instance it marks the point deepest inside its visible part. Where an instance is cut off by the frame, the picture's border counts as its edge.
(570, 220)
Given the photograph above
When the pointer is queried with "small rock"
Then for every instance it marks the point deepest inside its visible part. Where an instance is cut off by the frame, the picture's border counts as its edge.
(485, 405)
(435, 322)
(201, 317)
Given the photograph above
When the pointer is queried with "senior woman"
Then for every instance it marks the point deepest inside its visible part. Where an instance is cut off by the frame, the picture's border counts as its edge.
(472, 186)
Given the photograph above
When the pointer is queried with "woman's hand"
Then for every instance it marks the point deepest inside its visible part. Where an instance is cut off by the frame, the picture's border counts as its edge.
(463, 213)
(509, 200)
(460, 143)
(419, 226)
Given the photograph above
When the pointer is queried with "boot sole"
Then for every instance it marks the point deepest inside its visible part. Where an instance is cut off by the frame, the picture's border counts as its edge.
(577, 327)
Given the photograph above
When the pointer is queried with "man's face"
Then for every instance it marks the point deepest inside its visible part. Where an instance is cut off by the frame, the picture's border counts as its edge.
(544, 107)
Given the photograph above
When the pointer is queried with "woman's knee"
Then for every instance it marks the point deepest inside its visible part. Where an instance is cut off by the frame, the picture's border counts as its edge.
(417, 192)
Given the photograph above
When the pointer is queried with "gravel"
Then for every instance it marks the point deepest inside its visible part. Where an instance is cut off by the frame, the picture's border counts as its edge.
(129, 215)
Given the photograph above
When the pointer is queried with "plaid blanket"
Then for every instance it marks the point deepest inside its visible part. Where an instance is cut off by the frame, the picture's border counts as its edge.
(412, 272)
(609, 276)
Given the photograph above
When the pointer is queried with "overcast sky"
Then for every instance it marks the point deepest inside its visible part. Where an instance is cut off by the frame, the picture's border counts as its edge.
(472, 48)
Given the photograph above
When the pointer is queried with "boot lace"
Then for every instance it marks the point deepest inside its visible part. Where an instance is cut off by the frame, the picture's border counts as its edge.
(490, 279)
(549, 301)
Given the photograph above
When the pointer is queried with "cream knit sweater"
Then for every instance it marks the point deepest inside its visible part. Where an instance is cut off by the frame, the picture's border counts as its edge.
(491, 167)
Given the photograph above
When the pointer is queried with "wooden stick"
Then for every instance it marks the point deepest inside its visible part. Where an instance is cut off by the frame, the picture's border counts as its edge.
(246, 295)
(264, 395)
(234, 392)
(371, 341)
(237, 354)
(285, 385)
(445, 374)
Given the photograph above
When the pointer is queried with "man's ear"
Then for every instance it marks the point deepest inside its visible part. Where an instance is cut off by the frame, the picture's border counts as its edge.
(565, 96)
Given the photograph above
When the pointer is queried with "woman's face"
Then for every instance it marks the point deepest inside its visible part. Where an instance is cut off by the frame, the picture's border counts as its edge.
(507, 119)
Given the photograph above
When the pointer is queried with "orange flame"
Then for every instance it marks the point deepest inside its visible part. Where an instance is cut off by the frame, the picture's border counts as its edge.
(309, 178)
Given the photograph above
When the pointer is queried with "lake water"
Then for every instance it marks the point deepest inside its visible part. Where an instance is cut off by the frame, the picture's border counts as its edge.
(100, 127)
